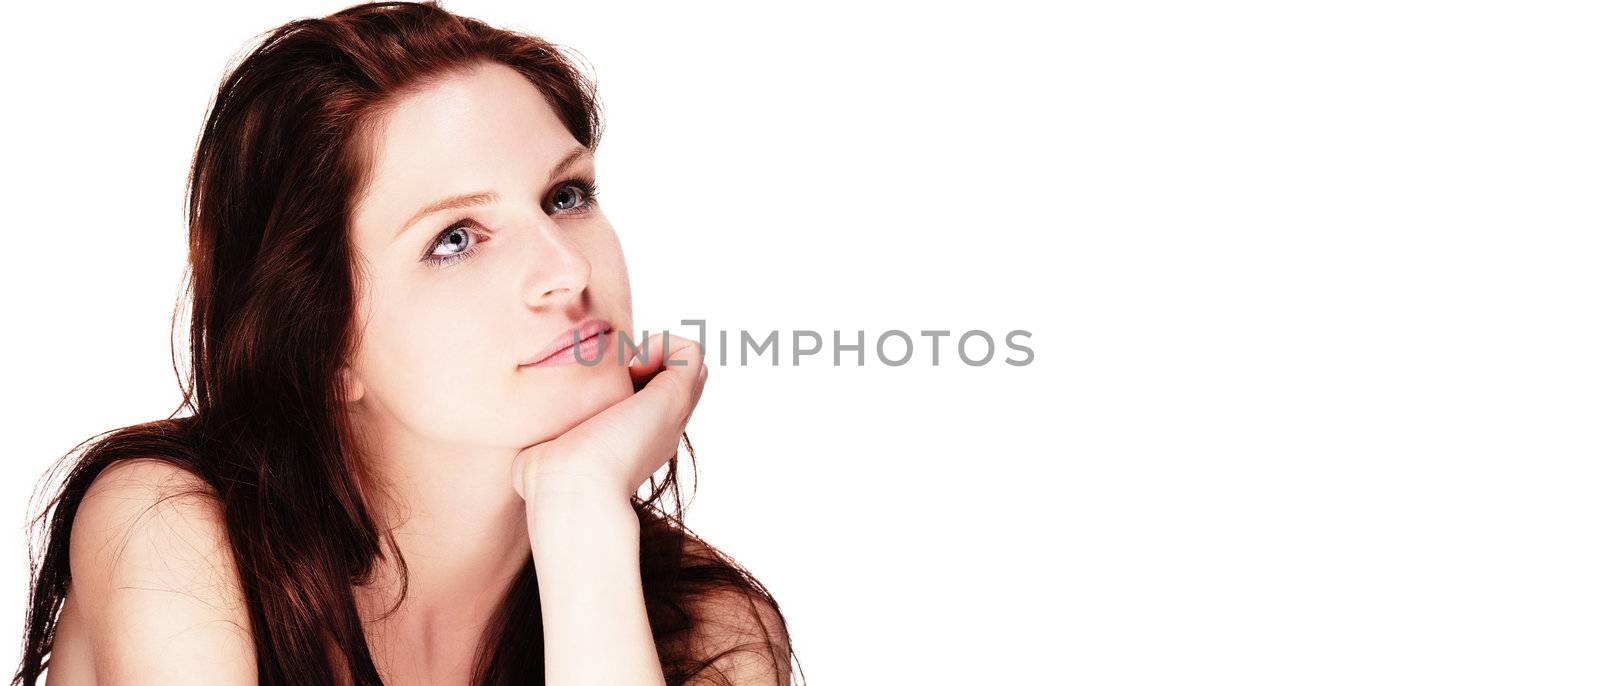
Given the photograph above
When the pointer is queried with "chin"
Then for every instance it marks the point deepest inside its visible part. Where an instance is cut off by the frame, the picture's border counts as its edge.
(568, 403)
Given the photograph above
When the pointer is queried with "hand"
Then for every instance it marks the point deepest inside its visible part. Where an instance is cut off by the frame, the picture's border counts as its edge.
(612, 453)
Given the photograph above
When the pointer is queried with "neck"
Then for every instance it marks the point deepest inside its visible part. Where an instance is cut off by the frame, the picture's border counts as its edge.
(463, 532)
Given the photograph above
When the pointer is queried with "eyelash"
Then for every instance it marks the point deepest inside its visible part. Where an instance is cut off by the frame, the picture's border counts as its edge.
(586, 187)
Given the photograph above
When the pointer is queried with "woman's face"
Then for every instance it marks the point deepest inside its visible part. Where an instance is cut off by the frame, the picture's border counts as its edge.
(450, 302)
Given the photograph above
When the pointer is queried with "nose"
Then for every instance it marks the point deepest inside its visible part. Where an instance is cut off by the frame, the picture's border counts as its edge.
(559, 270)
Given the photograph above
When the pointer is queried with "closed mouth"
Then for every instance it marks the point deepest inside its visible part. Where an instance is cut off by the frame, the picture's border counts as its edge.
(564, 343)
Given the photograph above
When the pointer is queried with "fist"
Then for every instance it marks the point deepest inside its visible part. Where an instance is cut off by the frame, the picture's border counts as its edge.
(609, 455)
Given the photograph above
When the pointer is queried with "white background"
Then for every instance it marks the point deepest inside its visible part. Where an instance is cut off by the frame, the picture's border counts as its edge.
(1312, 290)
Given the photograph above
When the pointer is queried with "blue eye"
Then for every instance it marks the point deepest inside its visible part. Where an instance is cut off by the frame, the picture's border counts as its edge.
(463, 241)
(574, 196)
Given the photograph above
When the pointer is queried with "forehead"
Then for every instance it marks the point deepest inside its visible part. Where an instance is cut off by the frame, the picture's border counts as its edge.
(476, 130)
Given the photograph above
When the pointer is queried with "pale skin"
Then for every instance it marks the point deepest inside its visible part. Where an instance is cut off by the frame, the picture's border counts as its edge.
(486, 460)
(436, 381)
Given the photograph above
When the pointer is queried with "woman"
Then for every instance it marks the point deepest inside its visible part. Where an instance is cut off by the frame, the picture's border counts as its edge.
(402, 463)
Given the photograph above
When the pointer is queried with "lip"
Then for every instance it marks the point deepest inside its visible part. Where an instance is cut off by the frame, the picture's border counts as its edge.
(562, 343)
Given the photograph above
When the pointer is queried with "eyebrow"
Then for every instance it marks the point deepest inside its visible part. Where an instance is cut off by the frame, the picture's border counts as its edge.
(480, 198)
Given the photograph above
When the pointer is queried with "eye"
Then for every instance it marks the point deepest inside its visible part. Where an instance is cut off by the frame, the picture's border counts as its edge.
(573, 196)
(458, 242)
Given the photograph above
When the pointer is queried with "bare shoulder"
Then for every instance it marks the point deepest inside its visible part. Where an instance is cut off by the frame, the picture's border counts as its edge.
(154, 579)
(741, 632)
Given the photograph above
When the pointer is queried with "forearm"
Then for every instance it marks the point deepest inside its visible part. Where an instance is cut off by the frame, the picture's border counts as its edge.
(586, 556)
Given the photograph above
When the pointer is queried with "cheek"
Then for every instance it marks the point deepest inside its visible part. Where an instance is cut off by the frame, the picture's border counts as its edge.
(439, 367)
(445, 368)
(610, 276)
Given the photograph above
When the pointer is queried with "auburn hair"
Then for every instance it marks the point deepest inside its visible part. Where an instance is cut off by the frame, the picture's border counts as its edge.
(285, 146)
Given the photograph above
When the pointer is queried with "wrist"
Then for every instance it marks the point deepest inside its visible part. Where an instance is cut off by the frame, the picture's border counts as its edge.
(560, 475)
(565, 514)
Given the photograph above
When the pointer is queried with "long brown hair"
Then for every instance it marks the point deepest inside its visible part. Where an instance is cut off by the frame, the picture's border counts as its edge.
(284, 148)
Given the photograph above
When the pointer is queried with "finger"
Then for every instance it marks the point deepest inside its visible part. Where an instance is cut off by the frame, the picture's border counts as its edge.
(663, 352)
(689, 389)
(647, 359)
(699, 387)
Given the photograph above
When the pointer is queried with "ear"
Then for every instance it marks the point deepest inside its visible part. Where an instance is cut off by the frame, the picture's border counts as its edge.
(350, 388)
